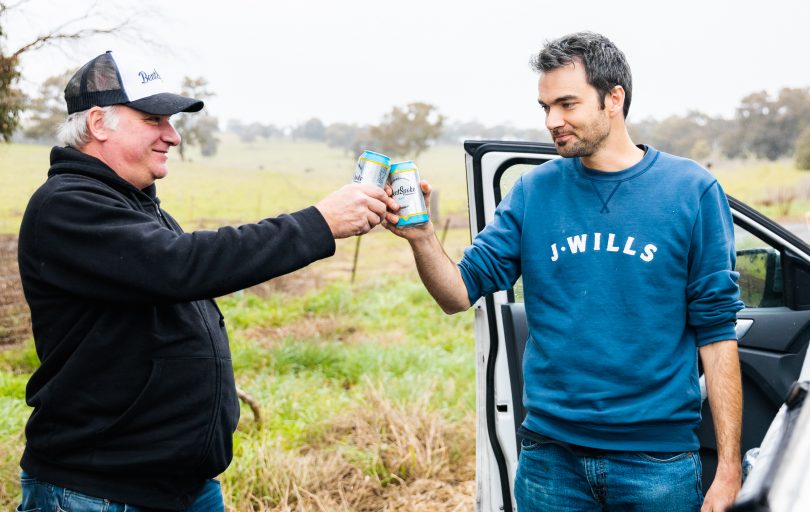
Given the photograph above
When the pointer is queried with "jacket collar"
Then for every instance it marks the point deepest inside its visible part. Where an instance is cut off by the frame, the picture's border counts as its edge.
(68, 160)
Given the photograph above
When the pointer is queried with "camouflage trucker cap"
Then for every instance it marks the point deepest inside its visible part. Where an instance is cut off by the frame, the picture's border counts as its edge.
(108, 80)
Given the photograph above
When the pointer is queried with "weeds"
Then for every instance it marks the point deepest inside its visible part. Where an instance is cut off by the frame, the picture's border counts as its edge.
(368, 458)
(367, 394)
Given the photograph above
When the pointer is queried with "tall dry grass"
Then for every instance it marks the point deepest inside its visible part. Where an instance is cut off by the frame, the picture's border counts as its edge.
(378, 456)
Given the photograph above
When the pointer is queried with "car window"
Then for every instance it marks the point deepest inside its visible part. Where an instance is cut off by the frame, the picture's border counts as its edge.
(760, 270)
(510, 176)
(506, 181)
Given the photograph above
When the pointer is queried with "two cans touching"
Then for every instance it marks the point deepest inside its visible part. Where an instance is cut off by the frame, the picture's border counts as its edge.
(403, 177)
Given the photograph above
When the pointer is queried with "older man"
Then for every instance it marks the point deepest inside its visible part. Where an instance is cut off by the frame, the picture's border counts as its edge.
(135, 403)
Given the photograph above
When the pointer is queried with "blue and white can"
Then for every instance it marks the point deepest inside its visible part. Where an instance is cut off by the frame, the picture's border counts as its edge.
(404, 181)
(372, 168)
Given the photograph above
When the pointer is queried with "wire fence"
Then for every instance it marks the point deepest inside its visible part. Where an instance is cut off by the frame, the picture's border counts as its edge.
(15, 318)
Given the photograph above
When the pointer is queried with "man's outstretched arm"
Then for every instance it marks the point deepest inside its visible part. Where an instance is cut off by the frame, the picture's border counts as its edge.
(438, 272)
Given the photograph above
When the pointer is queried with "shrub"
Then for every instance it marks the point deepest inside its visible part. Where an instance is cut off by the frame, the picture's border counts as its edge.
(803, 151)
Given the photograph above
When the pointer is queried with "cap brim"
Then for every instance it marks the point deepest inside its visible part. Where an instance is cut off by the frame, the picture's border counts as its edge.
(166, 104)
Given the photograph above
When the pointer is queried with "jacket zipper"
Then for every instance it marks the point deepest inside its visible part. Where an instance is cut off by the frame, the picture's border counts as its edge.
(217, 359)
(218, 397)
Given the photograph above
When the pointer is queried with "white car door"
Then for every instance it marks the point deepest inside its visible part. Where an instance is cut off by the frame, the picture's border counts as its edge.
(492, 168)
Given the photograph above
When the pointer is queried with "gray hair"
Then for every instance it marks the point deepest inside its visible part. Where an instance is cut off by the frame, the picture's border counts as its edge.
(605, 65)
(73, 132)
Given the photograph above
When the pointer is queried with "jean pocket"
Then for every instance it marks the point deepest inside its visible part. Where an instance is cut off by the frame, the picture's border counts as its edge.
(28, 481)
(530, 444)
(78, 502)
(663, 457)
(34, 494)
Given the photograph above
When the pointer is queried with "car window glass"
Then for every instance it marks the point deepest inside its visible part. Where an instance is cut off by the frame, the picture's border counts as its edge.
(510, 176)
(760, 270)
(506, 181)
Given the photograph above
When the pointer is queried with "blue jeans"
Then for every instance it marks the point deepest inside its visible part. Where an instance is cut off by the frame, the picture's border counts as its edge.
(551, 478)
(39, 496)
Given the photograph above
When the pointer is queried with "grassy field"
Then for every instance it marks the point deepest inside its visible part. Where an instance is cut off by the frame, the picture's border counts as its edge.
(366, 397)
(777, 188)
(243, 182)
(366, 389)
(246, 182)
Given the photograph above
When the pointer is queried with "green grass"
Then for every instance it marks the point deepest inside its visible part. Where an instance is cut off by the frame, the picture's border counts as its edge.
(399, 336)
(379, 341)
(385, 335)
(23, 168)
(242, 183)
(760, 184)
(245, 182)
(15, 368)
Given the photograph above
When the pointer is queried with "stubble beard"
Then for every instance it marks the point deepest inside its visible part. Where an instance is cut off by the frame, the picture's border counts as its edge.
(585, 146)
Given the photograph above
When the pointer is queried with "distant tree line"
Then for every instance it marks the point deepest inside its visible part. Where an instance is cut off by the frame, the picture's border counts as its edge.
(458, 132)
(764, 126)
(404, 131)
(353, 136)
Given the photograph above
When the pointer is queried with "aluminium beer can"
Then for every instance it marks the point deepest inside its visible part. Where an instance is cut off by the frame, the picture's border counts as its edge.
(404, 181)
(372, 168)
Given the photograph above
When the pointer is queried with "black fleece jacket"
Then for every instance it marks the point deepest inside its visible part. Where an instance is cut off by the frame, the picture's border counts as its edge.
(135, 398)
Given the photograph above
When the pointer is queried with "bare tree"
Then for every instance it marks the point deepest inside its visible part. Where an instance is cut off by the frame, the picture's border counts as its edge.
(12, 99)
(197, 129)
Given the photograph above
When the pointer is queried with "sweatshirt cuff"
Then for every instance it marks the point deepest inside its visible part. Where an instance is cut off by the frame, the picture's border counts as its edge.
(320, 240)
(714, 333)
(473, 292)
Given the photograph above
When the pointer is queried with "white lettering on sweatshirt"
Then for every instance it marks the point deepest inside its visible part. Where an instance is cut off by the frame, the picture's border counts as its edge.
(579, 244)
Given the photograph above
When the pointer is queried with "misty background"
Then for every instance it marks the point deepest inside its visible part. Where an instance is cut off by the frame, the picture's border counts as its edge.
(284, 64)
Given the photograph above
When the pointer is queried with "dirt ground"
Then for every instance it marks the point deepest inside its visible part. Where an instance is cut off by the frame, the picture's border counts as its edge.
(15, 319)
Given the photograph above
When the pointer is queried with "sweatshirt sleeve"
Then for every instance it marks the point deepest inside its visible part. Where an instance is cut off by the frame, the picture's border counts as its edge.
(492, 262)
(90, 243)
(712, 293)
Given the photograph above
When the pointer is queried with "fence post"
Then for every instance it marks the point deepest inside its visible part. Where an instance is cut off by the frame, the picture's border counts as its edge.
(356, 257)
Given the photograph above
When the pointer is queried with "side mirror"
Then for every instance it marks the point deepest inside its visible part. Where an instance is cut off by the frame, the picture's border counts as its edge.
(761, 283)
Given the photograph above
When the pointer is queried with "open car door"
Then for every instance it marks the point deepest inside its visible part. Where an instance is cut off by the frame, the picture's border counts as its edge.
(773, 329)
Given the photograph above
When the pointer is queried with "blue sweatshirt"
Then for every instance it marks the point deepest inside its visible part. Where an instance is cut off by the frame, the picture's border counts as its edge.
(625, 275)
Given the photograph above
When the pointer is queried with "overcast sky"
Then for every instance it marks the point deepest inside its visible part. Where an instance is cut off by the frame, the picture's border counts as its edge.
(282, 62)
